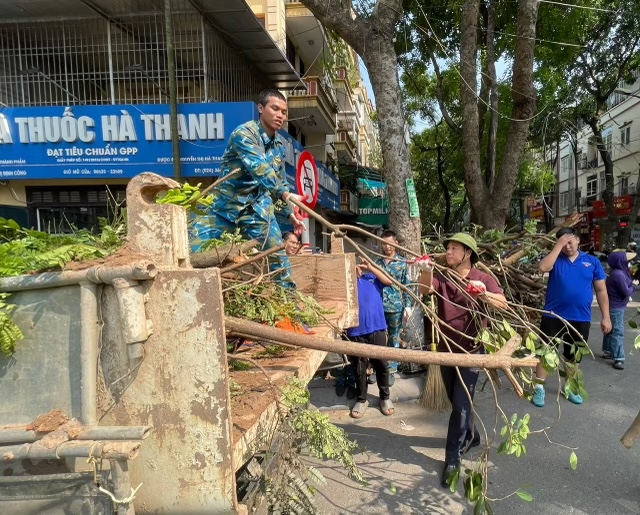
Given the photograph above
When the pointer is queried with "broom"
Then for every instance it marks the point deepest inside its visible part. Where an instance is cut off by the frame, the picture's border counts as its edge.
(434, 395)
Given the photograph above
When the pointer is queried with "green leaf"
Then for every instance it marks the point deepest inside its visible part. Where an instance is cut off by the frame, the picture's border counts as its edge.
(636, 342)
(525, 496)
(633, 324)
(453, 481)
(573, 461)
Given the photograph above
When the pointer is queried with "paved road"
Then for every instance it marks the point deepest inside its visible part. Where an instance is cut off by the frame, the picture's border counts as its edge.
(405, 452)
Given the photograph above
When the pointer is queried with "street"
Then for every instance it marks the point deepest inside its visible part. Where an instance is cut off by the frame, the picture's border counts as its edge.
(405, 452)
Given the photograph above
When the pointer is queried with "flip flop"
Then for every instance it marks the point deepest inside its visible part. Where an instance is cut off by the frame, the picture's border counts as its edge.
(358, 409)
(386, 407)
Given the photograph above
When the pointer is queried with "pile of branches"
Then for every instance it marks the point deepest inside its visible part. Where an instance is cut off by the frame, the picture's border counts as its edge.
(513, 260)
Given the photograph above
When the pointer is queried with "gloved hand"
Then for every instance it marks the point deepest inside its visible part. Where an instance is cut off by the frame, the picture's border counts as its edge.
(476, 288)
(423, 262)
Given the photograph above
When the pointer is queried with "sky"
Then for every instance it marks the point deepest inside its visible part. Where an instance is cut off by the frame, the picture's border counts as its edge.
(420, 124)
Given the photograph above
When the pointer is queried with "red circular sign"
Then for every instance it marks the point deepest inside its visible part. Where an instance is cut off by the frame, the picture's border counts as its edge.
(307, 178)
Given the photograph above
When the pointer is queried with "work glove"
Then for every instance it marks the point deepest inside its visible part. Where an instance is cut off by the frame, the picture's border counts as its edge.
(476, 288)
(423, 262)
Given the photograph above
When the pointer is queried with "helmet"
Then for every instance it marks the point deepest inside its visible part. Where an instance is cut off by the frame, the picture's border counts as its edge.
(468, 241)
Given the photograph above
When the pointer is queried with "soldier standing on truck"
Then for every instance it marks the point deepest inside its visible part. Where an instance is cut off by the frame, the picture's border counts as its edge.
(246, 201)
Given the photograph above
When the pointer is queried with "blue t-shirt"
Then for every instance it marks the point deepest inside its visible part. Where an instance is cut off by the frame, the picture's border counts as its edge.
(570, 287)
(370, 310)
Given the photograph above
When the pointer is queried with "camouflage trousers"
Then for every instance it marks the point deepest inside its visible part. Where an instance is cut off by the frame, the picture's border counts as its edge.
(252, 225)
(394, 326)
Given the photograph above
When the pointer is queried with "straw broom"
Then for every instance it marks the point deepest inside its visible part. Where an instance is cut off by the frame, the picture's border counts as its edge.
(434, 395)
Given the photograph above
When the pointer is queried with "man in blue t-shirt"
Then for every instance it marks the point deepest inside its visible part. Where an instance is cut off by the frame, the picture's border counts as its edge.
(572, 275)
(371, 329)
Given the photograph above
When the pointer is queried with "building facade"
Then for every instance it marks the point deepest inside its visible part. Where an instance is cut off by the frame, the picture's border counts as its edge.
(84, 101)
(580, 172)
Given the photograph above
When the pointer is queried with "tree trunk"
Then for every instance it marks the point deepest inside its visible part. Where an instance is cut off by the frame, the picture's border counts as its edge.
(490, 207)
(383, 73)
(524, 105)
(445, 191)
(493, 97)
(372, 37)
(607, 194)
(474, 183)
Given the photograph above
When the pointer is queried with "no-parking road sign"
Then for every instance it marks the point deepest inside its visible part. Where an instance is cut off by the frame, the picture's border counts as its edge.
(307, 179)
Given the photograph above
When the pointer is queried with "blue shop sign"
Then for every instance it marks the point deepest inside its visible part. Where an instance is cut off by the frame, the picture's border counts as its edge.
(329, 192)
(115, 141)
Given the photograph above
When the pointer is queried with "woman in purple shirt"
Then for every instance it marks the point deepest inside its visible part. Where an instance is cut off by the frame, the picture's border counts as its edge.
(619, 287)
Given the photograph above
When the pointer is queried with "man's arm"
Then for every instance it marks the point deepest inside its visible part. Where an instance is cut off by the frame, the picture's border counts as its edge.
(251, 152)
(493, 295)
(603, 303)
(497, 300)
(380, 275)
(547, 262)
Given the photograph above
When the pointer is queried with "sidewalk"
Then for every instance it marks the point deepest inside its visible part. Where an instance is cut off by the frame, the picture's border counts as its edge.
(406, 388)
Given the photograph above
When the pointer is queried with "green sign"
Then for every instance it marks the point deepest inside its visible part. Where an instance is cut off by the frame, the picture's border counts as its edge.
(373, 211)
(373, 204)
(414, 210)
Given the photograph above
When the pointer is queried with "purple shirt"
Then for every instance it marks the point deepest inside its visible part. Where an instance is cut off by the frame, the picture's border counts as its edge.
(619, 283)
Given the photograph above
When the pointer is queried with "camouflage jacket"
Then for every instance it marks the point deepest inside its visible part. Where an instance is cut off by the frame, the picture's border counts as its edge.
(262, 178)
(393, 298)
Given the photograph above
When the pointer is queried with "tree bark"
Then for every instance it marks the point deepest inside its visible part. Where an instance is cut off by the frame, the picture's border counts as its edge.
(490, 207)
(524, 104)
(632, 434)
(493, 97)
(221, 255)
(607, 194)
(502, 359)
(476, 188)
(372, 37)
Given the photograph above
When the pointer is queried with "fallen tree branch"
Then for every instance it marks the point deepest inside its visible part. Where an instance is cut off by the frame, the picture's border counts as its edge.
(632, 434)
(219, 255)
(252, 259)
(500, 360)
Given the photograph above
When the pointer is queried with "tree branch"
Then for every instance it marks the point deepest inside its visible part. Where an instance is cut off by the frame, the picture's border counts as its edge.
(440, 97)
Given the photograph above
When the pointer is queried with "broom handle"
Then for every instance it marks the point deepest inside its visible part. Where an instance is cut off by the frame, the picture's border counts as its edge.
(434, 344)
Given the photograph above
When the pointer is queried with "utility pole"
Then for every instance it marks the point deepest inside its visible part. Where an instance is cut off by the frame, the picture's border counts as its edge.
(173, 90)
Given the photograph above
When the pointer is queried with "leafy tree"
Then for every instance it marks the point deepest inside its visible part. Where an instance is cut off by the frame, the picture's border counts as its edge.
(369, 28)
(603, 49)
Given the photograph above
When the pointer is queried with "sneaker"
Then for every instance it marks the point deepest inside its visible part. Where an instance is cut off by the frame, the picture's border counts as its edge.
(606, 355)
(392, 379)
(538, 397)
(575, 398)
(341, 387)
(618, 365)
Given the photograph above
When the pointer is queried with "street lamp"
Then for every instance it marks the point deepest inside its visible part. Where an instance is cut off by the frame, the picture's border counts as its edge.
(627, 92)
(36, 71)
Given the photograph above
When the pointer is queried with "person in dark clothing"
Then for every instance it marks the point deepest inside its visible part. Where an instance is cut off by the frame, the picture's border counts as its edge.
(372, 330)
(619, 287)
(459, 309)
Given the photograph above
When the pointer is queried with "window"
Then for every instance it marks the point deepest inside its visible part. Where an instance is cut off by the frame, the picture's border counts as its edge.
(607, 142)
(563, 200)
(592, 186)
(624, 185)
(565, 163)
(625, 135)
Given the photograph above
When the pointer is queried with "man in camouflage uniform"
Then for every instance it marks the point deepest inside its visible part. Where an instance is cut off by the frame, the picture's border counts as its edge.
(394, 300)
(246, 201)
